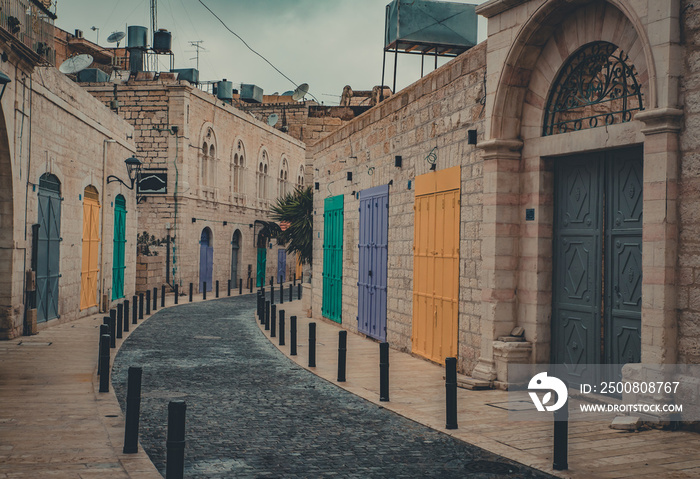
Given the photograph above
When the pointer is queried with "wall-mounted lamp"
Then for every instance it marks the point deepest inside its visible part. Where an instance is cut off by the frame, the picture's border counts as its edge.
(194, 220)
(349, 175)
(225, 223)
(398, 161)
(471, 137)
(433, 167)
(250, 225)
(133, 170)
(4, 80)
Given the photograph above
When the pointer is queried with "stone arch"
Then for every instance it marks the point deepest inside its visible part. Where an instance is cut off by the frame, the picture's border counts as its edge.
(8, 256)
(546, 41)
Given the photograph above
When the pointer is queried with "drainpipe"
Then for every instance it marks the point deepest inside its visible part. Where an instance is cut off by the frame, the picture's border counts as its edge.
(102, 220)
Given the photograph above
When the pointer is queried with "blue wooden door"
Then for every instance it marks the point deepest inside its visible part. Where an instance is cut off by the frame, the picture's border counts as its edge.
(373, 246)
(281, 266)
(48, 263)
(206, 260)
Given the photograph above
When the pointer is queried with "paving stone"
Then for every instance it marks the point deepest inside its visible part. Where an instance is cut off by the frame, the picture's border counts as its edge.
(251, 412)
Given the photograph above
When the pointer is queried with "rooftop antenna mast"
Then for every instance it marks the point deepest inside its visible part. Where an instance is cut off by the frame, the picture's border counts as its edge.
(154, 16)
(197, 44)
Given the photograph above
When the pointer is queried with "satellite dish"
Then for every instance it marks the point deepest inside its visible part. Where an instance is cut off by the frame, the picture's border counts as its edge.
(276, 93)
(116, 37)
(273, 119)
(76, 64)
(300, 92)
(288, 93)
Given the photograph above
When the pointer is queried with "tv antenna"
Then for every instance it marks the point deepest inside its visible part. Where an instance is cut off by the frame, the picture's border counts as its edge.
(197, 44)
(116, 37)
(75, 64)
(154, 16)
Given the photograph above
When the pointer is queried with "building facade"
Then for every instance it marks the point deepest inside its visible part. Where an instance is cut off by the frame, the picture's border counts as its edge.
(224, 170)
(64, 227)
(574, 220)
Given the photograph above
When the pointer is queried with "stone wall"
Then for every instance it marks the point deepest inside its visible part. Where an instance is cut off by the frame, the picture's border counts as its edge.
(434, 112)
(150, 273)
(172, 121)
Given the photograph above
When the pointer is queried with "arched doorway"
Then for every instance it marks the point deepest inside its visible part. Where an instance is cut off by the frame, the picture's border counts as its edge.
(235, 260)
(206, 259)
(8, 255)
(91, 248)
(119, 247)
(48, 247)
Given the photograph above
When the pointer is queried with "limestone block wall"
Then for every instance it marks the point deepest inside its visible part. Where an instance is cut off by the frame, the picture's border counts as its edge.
(55, 127)
(433, 114)
(172, 122)
(688, 188)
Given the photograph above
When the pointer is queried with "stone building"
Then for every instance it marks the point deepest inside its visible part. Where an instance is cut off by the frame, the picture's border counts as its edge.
(63, 226)
(574, 221)
(223, 169)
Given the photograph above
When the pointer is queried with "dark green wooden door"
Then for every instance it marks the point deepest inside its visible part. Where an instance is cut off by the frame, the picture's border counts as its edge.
(119, 247)
(597, 275)
(48, 247)
(333, 258)
(262, 264)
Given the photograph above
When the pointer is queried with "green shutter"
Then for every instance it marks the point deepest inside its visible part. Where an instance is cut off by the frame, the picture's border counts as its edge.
(119, 248)
(333, 258)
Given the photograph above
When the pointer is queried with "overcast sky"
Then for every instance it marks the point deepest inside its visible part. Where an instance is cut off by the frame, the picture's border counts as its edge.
(325, 43)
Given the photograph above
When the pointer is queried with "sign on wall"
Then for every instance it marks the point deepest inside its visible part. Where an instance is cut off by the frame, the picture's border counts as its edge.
(152, 181)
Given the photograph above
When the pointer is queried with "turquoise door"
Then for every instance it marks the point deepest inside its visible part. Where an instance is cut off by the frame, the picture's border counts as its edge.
(119, 248)
(333, 258)
(262, 263)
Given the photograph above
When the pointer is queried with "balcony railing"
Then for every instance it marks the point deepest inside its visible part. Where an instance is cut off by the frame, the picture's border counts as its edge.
(32, 24)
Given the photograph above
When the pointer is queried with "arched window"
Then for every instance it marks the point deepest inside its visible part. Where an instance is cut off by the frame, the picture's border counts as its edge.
(596, 87)
(204, 165)
(212, 166)
(207, 170)
(238, 165)
(262, 176)
(283, 181)
(300, 177)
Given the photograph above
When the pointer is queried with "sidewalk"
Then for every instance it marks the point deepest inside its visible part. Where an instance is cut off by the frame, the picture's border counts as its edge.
(417, 391)
(53, 421)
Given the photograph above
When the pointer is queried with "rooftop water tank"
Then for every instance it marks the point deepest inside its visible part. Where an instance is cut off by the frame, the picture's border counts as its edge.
(138, 37)
(162, 41)
(92, 75)
(224, 90)
(251, 93)
(189, 74)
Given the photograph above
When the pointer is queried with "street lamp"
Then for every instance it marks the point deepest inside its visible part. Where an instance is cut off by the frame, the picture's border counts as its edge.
(133, 170)
(4, 80)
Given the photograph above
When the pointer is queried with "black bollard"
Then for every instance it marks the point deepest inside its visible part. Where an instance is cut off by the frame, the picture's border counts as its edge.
(272, 292)
(342, 354)
(155, 299)
(280, 336)
(251, 285)
(217, 289)
(259, 308)
(162, 296)
(290, 293)
(140, 305)
(229, 287)
(104, 330)
(126, 315)
(104, 363)
(267, 315)
(113, 328)
(240, 286)
(175, 445)
(204, 290)
(384, 371)
(293, 336)
(134, 309)
(312, 345)
(561, 438)
(191, 289)
(133, 411)
(299, 291)
(273, 320)
(177, 293)
(295, 279)
(148, 302)
(451, 393)
(120, 320)
(302, 277)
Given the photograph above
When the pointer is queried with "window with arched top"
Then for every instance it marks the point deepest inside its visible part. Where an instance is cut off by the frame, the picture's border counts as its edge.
(204, 165)
(300, 176)
(208, 165)
(262, 176)
(238, 166)
(597, 86)
(283, 181)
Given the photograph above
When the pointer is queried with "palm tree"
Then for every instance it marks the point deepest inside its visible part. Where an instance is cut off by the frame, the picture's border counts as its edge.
(295, 211)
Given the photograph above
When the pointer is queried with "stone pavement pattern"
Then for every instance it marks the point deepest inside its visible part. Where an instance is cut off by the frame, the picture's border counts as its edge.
(253, 413)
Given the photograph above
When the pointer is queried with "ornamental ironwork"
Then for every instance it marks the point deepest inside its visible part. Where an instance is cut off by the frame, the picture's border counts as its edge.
(596, 87)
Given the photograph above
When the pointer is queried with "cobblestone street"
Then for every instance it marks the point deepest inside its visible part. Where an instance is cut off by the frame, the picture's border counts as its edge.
(253, 413)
